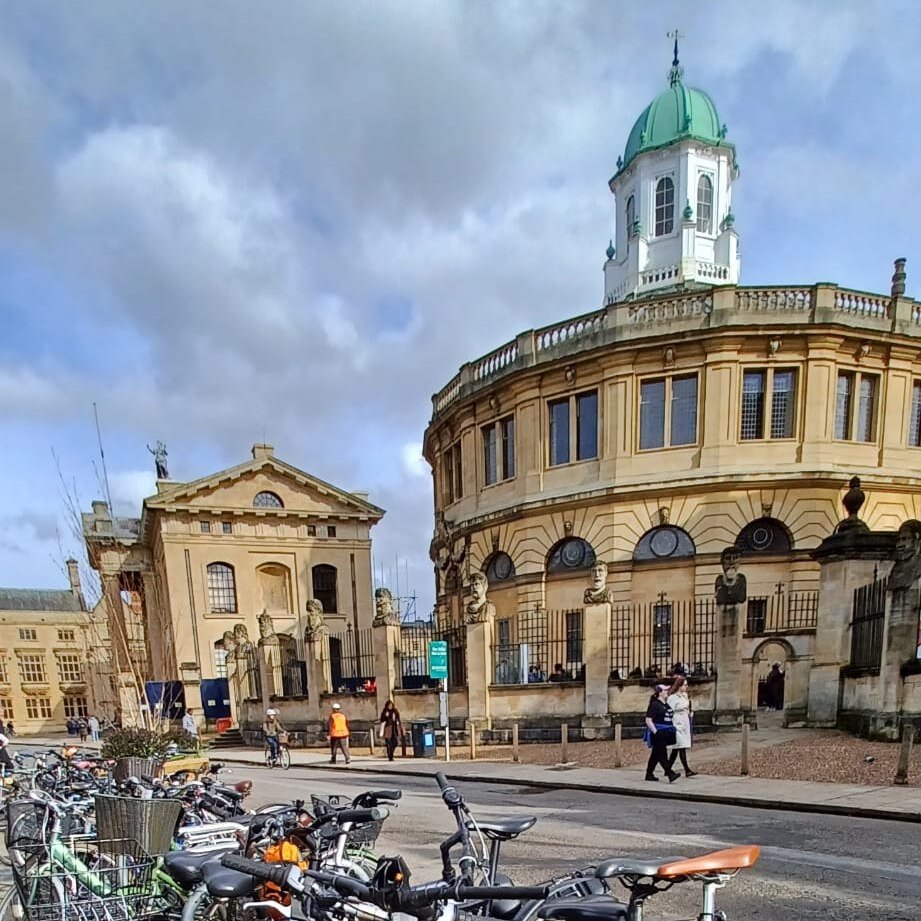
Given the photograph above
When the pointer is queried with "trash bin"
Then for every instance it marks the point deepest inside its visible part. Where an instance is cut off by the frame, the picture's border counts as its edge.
(423, 732)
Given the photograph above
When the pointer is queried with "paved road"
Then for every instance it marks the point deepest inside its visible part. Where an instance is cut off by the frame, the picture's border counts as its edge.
(812, 866)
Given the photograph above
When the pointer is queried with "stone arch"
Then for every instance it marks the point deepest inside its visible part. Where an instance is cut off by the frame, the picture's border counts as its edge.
(664, 542)
(275, 585)
(765, 535)
(770, 650)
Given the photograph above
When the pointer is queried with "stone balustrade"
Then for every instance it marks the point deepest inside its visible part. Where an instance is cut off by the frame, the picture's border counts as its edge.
(722, 306)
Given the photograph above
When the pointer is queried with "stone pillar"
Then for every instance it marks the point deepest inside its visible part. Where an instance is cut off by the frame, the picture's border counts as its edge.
(900, 644)
(596, 630)
(727, 655)
(849, 559)
(386, 662)
(479, 672)
(317, 676)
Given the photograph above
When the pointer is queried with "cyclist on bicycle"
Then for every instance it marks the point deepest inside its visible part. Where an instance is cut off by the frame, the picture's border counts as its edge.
(270, 729)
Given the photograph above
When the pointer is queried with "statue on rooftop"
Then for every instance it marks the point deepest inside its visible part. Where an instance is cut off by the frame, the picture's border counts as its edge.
(159, 454)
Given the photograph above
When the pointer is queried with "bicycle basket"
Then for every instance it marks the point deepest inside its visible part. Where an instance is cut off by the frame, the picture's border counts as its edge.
(105, 881)
(366, 833)
(27, 824)
(324, 805)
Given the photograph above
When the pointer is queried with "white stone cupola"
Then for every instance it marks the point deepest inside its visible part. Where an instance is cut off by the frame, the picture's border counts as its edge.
(673, 191)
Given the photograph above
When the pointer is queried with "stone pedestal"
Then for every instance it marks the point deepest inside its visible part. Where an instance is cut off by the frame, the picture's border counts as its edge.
(848, 561)
(596, 631)
(727, 655)
(900, 643)
(479, 673)
(317, 677)
(387, 672)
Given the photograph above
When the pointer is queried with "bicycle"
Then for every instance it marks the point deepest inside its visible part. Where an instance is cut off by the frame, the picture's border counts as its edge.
(282, 759)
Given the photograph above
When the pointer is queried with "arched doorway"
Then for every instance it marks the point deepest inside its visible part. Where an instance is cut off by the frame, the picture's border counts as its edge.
(768, 691)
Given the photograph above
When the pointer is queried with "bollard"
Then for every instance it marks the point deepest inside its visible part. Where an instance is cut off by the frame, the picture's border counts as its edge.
(745, 731)
(371, 741)
(564, 744)
(618, 746)
(908, 738)
(471, 732)
(515, 757)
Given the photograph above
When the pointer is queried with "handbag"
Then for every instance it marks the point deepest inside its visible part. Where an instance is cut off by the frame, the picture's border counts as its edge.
(670, 736)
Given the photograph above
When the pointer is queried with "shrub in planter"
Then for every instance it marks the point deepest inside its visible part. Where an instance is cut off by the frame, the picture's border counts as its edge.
(135, 751)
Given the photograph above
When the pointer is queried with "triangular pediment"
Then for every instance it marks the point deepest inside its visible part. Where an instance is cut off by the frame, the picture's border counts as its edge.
(236, 488)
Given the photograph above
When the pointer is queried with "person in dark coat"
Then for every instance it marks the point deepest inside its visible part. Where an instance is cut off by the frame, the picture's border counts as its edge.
(660, 733)
(391, 728)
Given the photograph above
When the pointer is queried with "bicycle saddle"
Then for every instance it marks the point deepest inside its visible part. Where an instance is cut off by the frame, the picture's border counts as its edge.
(591, 908)
(186, 868)
(631, 866)
(227, 884)
(504, 829)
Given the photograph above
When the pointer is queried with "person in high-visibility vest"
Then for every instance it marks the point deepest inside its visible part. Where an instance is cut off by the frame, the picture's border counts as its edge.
(337, 733)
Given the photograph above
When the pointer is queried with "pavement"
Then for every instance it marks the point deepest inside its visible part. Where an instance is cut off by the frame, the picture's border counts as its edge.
(876, 802)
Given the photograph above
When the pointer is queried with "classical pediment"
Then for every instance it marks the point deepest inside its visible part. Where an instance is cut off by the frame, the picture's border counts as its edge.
(236, 489)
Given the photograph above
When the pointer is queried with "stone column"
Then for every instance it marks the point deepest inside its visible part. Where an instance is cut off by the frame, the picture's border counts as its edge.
(479, 672)
(596, 630)
(727, 655)
(386, 662)
(900, 644)
(317, 676)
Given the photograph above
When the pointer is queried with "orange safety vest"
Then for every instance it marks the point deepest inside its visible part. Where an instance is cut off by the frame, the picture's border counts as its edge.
(338, 726)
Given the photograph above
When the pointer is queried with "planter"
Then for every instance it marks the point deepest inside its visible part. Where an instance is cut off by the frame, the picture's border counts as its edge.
(136, 767)
(149, 822)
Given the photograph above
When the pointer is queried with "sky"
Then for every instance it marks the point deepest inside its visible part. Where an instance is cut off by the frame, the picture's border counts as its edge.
(232, 223)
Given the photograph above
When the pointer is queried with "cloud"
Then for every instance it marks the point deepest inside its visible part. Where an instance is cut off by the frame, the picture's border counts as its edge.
(129, 488)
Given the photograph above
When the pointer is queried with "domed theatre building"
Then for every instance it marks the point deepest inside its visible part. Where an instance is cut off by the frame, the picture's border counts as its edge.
(685, 414)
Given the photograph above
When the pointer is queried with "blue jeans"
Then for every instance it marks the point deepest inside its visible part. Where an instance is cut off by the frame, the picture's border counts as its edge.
(272, 742)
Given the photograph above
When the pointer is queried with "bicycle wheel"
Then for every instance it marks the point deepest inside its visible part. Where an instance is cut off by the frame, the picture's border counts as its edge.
(284, 756)
(269, 760)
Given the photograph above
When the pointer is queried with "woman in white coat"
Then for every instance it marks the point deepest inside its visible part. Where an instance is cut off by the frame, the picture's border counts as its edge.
(680, 703)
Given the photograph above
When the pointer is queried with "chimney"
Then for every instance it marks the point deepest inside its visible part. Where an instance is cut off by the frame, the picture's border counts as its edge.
(898, 278)
(73, 576)
(100, 509)
(262, 450)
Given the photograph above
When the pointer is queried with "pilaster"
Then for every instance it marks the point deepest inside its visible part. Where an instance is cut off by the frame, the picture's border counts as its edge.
(479, 672)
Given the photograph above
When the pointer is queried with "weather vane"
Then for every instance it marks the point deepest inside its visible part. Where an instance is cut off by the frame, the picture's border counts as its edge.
(674, 75)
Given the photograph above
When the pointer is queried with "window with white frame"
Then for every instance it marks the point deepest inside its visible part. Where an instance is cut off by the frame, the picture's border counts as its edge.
(856, 399)
(768, 403)
(222, 588)
(705, 204)
(32, 669)
(573, 428)
(71, 669)
(499, 451)
(665, 206)
(668, 412)
(38, 708)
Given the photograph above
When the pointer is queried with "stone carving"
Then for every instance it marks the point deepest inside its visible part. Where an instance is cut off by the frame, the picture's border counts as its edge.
(907, 555)
(385, 614)
(731, 588)
(597, 592)
(270, 646)
(244, 658)
(159, 454)
(853, 500)
(316, 626)
(480, 609)
(447, 552)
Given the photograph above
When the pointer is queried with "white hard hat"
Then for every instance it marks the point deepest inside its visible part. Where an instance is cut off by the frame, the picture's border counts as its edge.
(337, 707)
(270, 712)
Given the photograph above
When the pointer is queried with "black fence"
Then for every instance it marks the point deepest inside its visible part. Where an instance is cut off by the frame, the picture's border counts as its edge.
(648, 638)
(780, 613)
(350, 656)
(537, 646)
(414, 654)
(867, 624)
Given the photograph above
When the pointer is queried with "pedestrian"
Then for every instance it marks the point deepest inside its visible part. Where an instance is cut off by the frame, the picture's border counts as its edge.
(682, 715)
(71, 726)
(10, 731)
(6, 762)
(337, 732)
(660, 733)
(82, 728)
(391, 727)
(189, 725)
(558, 674)
(773, 688)
(93, 724)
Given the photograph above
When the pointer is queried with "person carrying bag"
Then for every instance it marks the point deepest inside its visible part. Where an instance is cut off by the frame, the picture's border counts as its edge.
(660, 733)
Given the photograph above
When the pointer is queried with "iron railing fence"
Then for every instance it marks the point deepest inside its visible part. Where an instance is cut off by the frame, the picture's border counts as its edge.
(539, 645)
(781, 613)
(867, 623)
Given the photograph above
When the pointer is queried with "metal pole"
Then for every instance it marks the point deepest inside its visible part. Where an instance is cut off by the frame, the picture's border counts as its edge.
(564, 743)
(444, 687)
(746, 729)
(515, 757)
(908, 738)
(371, 741)
(618, 746)
(471, 732)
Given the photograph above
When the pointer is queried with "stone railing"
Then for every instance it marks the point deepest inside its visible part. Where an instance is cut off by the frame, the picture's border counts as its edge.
(862, 305)
(774, 299)
(496, 360)
(710, 270)
(585, 325)
(659, 276)
(712, 307)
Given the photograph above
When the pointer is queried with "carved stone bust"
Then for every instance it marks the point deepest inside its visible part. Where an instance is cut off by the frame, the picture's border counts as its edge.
(731, 588)
(316, 626)
(479, 609)
(907, 555)
(267, 635)
(597, 592)
(385, 614)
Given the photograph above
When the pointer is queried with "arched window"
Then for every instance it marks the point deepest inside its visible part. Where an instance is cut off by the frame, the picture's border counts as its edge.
(665, 542)
(499, 567)
(631, 218)
(571, 553)
(764, 535)
(267, 499)
(665, 206)
(705, 205)
(325, 587)
(222, 589)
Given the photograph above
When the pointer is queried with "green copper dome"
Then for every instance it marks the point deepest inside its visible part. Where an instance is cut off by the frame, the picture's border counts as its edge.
(676, 114)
